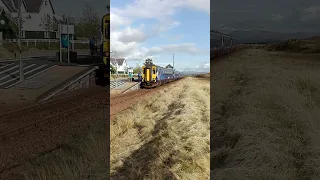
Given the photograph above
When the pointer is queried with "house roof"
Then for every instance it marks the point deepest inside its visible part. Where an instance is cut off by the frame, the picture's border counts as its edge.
(32, 6)
(169, 66)
(118, 61)
(10, 6)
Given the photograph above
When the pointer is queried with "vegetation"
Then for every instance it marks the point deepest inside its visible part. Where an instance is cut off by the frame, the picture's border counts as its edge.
(89, 24)
(85, 158)
(113, 69)
(166, 138)
(311, 45)
(137, 69)
(266, 116)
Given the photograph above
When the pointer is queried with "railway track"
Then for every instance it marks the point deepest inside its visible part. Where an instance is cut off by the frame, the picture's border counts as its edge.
(40, 134)
(121, 102)
(124, 97)
(19, 138)
(20, 120)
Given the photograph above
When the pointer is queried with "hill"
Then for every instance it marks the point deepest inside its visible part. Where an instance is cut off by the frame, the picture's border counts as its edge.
(261, 36)
(307, 45)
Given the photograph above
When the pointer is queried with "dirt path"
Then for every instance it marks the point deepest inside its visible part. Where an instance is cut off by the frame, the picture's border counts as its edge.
(164, 137)
(265, 116)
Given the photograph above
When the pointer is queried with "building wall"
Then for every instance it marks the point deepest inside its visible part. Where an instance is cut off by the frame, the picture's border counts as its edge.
(123, 66)
(33, 24)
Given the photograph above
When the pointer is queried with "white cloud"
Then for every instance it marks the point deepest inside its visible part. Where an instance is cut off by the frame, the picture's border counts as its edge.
(157, 9)
(132, 51)
(277, 17)
(118, 21)
(164, 24)
(127, 39)
(206, 65)
(176, 48)
(313, 12)
(132, 35)
(203, 65)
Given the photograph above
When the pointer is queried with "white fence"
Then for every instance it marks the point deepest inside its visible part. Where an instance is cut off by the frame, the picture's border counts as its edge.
(34, 42)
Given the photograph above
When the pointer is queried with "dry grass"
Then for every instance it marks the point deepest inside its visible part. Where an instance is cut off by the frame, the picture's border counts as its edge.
(83, 159)
(166, 137)
(206, 76)
(311, 45)
(266, 118)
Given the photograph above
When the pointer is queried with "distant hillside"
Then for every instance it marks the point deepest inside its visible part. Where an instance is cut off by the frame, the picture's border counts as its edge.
(192, 72)
(207, 75)
(306, 45)
(259, 36)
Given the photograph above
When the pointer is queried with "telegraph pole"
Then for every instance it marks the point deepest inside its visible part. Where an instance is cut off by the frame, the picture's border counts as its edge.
(115, 58)
(173, 61)
(68, 39)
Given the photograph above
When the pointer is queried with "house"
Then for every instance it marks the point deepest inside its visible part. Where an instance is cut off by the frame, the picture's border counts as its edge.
(120, 64)
(34, 14)
(169, 66)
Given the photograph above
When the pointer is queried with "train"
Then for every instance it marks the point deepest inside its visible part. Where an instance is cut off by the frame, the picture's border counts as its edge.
(103, 72)
(218, 52)
(221, 44)
(153, 75)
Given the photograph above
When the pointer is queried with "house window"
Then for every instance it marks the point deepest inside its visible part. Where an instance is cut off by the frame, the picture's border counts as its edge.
(46, 34)
(34, 34)
(23, 34)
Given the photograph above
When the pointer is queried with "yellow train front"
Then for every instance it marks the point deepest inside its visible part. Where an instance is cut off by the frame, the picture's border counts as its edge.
(153, 75)
(103, 73)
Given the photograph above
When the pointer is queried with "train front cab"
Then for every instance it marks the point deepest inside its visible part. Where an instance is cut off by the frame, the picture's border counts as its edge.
(149, 77)
(102, 73)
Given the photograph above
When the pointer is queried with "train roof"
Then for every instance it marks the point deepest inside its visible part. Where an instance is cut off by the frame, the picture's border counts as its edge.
(165, 68)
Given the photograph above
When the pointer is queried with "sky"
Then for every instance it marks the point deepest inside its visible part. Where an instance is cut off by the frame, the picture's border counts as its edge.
(158, 29)
(73, 9)
(273, 15)
(154, 29)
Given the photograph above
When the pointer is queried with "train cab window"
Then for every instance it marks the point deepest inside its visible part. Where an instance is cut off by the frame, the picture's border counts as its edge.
(154, 71)
(107, 27)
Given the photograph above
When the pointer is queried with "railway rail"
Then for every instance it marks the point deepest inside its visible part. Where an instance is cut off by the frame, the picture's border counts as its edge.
(44, 133)
(131, 97)
(44, 126)
(20, 120)
(37, 124)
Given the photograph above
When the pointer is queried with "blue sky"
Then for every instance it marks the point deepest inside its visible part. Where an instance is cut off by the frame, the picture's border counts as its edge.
(158, 28)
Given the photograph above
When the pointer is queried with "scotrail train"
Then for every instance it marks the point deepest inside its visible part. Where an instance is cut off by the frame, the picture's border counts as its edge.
(154, 75)
(102, 74)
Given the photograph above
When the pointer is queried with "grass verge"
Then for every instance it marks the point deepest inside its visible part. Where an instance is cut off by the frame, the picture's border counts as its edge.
(266, 123)
(83, 159)
(164, 137)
